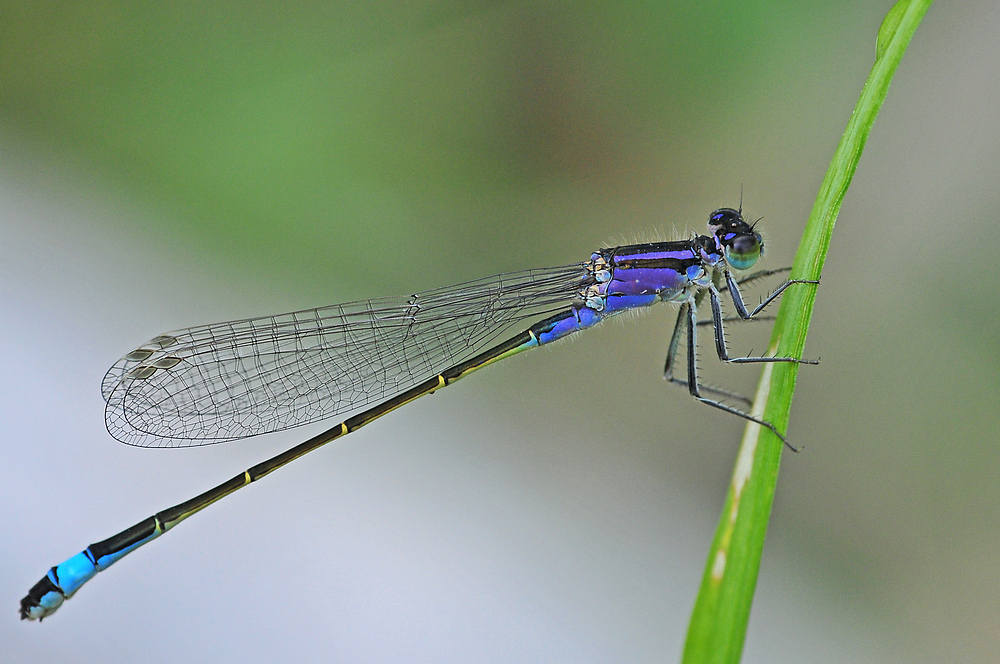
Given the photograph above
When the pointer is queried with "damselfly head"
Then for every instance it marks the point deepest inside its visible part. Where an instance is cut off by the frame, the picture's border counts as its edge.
(740, 242)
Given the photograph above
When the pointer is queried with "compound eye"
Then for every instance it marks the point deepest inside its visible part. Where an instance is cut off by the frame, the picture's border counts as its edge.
(743, 252)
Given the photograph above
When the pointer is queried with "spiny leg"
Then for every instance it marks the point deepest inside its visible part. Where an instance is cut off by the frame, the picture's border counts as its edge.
(730, 319)
(692, 324)
(761, 274)
(734, 292)
(668, 368)
(720, 343)
(720, 338)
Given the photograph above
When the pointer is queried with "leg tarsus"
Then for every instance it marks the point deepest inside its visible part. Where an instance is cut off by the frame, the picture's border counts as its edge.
(751, 418)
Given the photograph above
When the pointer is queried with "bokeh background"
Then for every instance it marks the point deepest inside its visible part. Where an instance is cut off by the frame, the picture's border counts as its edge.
(169, 165)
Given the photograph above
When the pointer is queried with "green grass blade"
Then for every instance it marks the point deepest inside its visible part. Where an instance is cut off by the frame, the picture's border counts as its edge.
(719, 621)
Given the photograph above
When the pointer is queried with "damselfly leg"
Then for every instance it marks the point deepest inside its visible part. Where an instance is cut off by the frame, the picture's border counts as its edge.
(688, 318)
(750, 278)
(682, 320)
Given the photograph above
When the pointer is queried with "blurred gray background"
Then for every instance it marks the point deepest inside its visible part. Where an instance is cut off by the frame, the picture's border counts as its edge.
(164, 167)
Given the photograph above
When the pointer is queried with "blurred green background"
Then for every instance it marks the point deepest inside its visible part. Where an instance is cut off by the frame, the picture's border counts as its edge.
(163, 166)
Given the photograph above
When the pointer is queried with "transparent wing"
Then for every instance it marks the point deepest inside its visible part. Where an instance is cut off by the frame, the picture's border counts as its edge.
(226, 381)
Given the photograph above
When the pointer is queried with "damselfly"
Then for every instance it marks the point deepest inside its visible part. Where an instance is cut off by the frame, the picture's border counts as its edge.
(227, 381)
